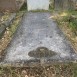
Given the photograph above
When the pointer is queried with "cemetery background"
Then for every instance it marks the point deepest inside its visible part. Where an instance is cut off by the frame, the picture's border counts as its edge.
(65, 18)
(10, 5)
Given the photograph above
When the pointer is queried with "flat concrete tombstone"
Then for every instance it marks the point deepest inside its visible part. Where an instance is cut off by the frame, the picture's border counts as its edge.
(38, 5)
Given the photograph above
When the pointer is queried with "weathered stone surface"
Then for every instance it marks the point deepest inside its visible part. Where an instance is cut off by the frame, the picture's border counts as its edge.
(10, 5)
(6, 24)
(38, 30)
(11, 17)
(1, 14)
(38, 5)
(2, 30)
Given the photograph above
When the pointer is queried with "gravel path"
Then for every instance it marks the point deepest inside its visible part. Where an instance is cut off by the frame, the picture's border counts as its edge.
(36, 31)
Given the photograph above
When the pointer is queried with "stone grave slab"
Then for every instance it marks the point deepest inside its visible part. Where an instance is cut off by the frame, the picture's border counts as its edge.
(38, 39)
(38, 5)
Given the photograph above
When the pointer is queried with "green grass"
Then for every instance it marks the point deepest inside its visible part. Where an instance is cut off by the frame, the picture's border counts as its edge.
(71, 20)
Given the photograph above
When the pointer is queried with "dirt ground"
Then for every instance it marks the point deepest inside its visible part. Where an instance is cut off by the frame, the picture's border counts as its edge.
(56, 70)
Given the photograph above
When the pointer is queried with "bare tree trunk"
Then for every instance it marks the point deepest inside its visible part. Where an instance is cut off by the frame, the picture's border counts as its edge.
(58, 4)
(72, 4)
(64, 4)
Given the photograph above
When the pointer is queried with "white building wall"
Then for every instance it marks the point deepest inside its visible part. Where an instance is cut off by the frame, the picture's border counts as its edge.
(38, 5)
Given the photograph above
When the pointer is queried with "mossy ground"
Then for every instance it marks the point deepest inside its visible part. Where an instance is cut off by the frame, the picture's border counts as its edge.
(67, 21)
(54, 70)
(7, 36)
